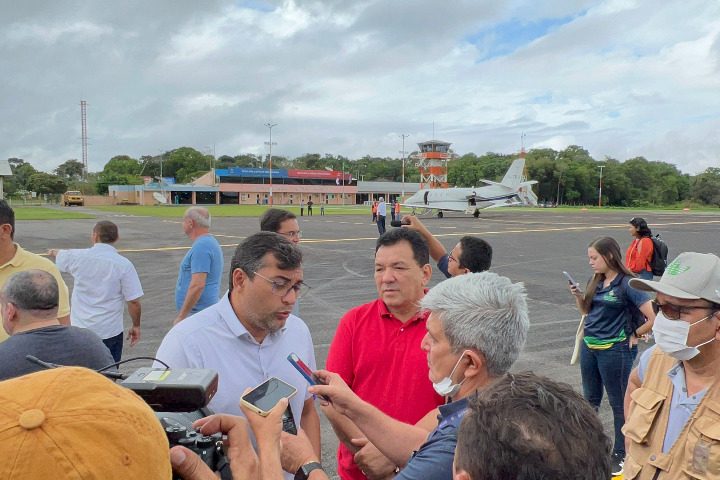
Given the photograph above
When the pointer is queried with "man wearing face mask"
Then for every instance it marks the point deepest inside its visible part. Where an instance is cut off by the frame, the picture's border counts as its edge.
(477, 327)
(672, 410)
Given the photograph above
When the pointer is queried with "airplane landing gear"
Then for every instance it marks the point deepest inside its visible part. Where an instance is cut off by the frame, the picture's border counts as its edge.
(440, 214)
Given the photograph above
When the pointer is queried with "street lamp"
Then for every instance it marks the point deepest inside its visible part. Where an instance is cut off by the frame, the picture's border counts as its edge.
(600, 194)
(403, 152)
(270, 144)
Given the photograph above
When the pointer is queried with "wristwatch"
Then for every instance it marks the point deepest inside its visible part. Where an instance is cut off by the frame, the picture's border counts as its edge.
(304, 472)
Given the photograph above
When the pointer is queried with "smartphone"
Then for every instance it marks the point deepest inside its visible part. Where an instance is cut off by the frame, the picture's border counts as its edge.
(265, 396)
(305, 371)
(572, 281)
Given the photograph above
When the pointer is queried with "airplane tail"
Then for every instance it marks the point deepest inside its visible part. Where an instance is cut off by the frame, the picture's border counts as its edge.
(514, 176)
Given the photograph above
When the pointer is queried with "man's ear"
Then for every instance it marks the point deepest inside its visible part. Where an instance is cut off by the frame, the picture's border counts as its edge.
(427, 274)
(476, 363)
(239, 277)
(461, 475)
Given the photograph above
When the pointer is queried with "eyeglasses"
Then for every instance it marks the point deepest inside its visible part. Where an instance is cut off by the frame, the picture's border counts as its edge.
(674, 312)
(293, 234)
(282, 287)
(451, 258)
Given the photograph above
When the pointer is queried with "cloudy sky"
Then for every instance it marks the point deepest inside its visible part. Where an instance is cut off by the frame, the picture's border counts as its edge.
(621, 78)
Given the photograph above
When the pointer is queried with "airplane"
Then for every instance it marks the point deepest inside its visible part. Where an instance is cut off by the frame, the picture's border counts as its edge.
(510, 191)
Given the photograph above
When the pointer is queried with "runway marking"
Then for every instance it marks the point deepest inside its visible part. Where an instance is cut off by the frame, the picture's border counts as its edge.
(457, 234)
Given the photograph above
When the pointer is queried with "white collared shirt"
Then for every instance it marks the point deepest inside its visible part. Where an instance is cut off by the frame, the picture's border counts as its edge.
(103, 281)
(214, 338)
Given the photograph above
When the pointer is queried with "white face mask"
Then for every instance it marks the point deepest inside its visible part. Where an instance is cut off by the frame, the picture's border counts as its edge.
(445, 387)
(671, 336)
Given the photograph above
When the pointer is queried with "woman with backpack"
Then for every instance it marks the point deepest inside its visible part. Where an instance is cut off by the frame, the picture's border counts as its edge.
(640, 252)
(609, 343)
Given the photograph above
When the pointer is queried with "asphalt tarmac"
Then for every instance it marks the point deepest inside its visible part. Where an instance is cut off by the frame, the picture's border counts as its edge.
(532, 247)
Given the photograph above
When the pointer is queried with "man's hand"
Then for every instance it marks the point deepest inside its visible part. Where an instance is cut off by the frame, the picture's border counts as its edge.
(134, 335)
(266, 429)
(52, 252)
(341, 397)
(178, 319)
(297, 450)
(371, 462)
(240, 453)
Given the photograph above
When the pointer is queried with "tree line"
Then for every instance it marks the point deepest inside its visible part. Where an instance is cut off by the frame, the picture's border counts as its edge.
(570, 176)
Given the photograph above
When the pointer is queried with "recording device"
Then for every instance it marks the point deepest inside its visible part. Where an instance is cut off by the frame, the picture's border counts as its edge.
(178, 397)
(398, 223)
(572, 281)
(306, 372)
(181, 390)
(265, 396)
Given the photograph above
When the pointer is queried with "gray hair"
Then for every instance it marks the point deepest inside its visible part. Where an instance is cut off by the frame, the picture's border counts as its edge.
(485, 312)
(199, 215)
(32, 290)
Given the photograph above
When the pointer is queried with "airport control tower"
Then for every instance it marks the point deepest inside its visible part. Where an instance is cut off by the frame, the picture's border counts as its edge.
(432, 159)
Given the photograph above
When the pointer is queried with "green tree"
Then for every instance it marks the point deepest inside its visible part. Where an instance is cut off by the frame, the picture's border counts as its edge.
(122, 165)
(42, 182)
(705, 187)
(70, 170)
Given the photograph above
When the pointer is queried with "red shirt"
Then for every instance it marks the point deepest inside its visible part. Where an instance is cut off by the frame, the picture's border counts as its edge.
(639, 254)
(380, 358)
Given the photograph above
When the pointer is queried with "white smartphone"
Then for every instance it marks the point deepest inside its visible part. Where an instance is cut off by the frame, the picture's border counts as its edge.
(572, 281)
(265, 396)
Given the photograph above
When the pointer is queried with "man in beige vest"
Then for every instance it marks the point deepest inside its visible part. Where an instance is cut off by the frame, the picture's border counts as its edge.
(672, 404)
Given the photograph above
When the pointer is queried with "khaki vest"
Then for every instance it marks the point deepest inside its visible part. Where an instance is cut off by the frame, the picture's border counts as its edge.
(696, 452)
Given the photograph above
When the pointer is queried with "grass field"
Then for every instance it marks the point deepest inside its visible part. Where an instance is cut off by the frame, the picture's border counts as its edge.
(42, 213)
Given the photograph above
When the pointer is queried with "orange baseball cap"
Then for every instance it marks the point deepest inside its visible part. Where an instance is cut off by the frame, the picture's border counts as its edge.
(73, 423)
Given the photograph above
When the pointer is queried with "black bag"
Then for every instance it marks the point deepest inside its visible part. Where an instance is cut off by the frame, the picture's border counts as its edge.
(658, 263)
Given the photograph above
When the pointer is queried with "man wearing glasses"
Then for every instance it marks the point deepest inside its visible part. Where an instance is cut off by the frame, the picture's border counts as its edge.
(672, 403)
(285, 223)
(247, 336)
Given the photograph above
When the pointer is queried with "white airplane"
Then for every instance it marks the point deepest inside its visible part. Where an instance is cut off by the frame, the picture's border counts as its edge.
(511, 190)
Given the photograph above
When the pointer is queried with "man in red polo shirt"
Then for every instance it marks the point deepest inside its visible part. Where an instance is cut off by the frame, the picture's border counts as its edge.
(376, 345)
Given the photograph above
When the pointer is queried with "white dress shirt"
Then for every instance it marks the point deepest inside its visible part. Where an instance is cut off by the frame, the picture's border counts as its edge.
(103, 281)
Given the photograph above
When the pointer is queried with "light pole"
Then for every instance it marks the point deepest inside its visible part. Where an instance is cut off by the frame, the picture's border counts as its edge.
(403, 152)
(270, 144)
(600, 194)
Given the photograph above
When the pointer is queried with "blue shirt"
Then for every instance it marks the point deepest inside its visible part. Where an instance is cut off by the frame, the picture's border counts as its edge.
(205, 256)
(434, 460)
(682, 405)
(608, 314)
(442, 265)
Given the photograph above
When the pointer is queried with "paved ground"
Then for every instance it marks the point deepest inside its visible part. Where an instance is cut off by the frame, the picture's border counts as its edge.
(531, 247)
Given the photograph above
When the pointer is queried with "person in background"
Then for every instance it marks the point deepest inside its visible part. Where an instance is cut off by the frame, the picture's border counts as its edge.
(14, 258)
(608, 350)
(198, 284)
(381, 213)
(285, 223)
(104, 282)
(640, 252)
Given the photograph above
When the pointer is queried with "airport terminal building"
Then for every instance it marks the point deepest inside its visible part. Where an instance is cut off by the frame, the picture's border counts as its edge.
(255, 186)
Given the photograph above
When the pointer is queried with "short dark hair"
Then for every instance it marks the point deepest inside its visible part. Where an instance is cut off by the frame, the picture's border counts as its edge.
(32, 290)
(476, 254)
(107, 232)
(527, 426)
(641, 225)
(273, 217)
(418, 244)
(7, 215)
(249, 254)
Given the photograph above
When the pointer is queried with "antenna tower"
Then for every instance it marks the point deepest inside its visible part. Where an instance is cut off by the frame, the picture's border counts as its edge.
(83, 123)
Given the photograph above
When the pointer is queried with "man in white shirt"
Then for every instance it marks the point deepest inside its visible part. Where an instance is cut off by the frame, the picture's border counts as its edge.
(381, 213)
(104, 282)
(247, 336)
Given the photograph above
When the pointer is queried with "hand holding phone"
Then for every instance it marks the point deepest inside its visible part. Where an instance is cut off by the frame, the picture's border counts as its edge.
(265, 396)
(572, 282)
(305, 371)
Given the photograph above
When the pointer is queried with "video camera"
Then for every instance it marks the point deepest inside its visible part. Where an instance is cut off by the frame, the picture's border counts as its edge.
(178, 397)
